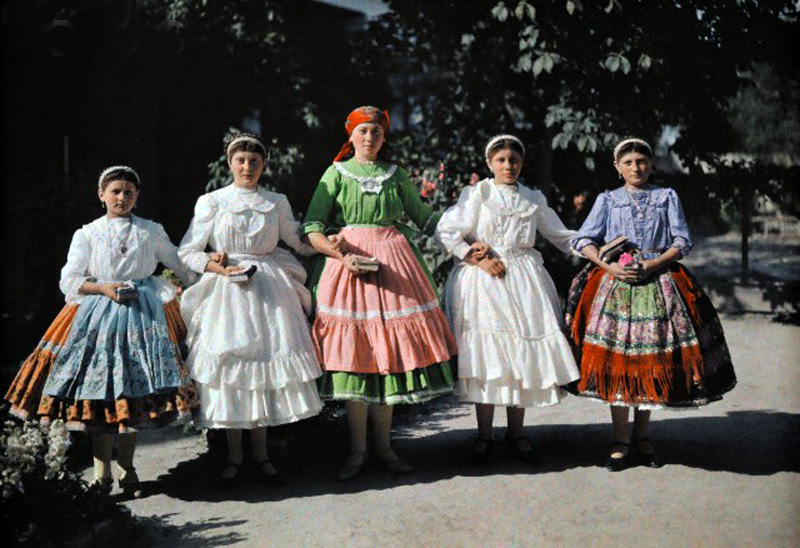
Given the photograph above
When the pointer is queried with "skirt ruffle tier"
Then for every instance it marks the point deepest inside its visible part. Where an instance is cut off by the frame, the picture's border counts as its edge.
(250, 350)
(651, 345)
(512, 347)
(27, 398)
(381, 337)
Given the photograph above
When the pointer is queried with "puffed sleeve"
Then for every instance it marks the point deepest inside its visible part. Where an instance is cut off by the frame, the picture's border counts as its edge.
(420, 213)
(593, 229)
(321, 205)
(167, 254)
(76, 271)
(193, 245)
(551, 227)
(679, 229)
(459, 220)
(289, 228)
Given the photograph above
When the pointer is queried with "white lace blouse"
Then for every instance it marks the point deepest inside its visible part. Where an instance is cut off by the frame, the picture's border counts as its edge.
(119, 249)
(240, 221)
(507, 217)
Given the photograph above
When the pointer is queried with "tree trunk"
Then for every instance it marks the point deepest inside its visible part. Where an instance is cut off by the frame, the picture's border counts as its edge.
(747, 226)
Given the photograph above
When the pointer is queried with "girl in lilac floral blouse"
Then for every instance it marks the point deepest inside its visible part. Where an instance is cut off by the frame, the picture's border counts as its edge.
(645, 334)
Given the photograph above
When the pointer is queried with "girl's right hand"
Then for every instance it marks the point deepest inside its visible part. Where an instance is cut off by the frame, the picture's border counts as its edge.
(219, 257)
(477, 251)
(493, 267)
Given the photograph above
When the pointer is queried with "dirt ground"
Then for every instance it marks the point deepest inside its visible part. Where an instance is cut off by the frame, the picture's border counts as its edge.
(731, 476)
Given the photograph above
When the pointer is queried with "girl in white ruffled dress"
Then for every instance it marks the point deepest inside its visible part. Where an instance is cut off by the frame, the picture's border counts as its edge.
(250, 351)
(500, 301)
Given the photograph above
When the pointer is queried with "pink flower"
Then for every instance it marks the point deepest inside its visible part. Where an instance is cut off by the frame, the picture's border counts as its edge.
(625, 259)
(474, 178)
(427, 188)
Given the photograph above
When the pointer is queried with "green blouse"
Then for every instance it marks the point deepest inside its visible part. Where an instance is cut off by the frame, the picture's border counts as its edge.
(379, 195)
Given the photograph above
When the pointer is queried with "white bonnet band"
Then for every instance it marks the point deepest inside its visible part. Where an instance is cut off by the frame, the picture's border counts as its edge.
(243, 138)
(629, 141)
(111, 169)
(494, 140)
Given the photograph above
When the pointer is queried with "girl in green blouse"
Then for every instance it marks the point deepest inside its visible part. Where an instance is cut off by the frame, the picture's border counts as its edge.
(379, 332)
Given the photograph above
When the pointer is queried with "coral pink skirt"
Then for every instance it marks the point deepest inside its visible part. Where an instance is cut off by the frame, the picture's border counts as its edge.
(384, 322)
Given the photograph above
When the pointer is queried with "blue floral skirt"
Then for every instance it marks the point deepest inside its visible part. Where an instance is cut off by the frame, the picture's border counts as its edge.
(124, 361)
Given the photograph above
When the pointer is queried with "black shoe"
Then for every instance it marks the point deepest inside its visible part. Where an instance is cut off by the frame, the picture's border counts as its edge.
(481, 451)
(225, 482)
(616, 464)
(522, 448)
(276, 479)
(651, 459)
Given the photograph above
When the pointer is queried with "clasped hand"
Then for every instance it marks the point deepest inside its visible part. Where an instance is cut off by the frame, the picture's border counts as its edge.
(635, 273)
(480, 254)
(221, 260)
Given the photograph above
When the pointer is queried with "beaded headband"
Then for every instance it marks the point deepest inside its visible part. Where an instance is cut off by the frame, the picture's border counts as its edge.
(629, 141)
(241, 139)
(494, 140)
(111, 169)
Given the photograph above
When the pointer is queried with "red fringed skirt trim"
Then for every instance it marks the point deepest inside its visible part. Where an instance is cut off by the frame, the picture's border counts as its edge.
(657, 344)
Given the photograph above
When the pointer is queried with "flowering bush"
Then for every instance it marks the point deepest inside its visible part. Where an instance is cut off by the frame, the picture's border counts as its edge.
(29, 449)
(43, 502)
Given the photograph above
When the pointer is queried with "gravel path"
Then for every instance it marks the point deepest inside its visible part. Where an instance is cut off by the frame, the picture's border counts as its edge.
(731, 476)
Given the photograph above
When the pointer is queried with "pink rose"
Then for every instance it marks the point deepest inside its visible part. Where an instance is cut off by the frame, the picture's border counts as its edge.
(625, 259)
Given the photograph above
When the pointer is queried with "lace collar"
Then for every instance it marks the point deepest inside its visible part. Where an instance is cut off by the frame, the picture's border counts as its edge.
(518, 201)
(236, 200)
(369, 184)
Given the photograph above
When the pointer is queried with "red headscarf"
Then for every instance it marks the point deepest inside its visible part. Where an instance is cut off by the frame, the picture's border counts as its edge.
(362, 115)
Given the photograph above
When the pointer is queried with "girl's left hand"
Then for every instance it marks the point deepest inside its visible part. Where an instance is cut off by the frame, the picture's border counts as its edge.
(646, 267)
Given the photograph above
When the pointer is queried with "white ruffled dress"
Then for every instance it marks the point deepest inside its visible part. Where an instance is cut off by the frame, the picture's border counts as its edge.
(512, 350)
(250, 350)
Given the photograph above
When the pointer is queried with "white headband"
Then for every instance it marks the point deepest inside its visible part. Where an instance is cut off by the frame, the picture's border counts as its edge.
(628, 141)
(497, 138)
(242, 138)
(108, 170)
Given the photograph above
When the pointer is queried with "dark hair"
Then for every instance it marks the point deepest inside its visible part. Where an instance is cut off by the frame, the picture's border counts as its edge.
(634, 146)
(253, 144)
(504, 144)
(120, 174)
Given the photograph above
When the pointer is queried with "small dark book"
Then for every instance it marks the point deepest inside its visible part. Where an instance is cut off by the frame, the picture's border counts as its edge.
(244, 275)
(126, 291)
(610, 251)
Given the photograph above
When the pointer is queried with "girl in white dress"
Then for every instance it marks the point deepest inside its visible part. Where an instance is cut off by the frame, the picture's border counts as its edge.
(110, 362)
(250, 351)
(500, 301)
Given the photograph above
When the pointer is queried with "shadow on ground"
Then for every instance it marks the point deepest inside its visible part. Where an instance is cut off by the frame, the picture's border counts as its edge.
(741, 442)
(191, 534)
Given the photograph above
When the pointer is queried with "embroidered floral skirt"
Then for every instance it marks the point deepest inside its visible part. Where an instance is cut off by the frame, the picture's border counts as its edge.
(651, 345)
(381, 337)
(27, 392)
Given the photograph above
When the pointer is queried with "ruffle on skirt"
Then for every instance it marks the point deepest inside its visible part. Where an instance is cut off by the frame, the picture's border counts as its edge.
(512, 348)
(655, 344)
(414, 386)
(250, 350)
(27, 399)
(384, 322)
(115, 350)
